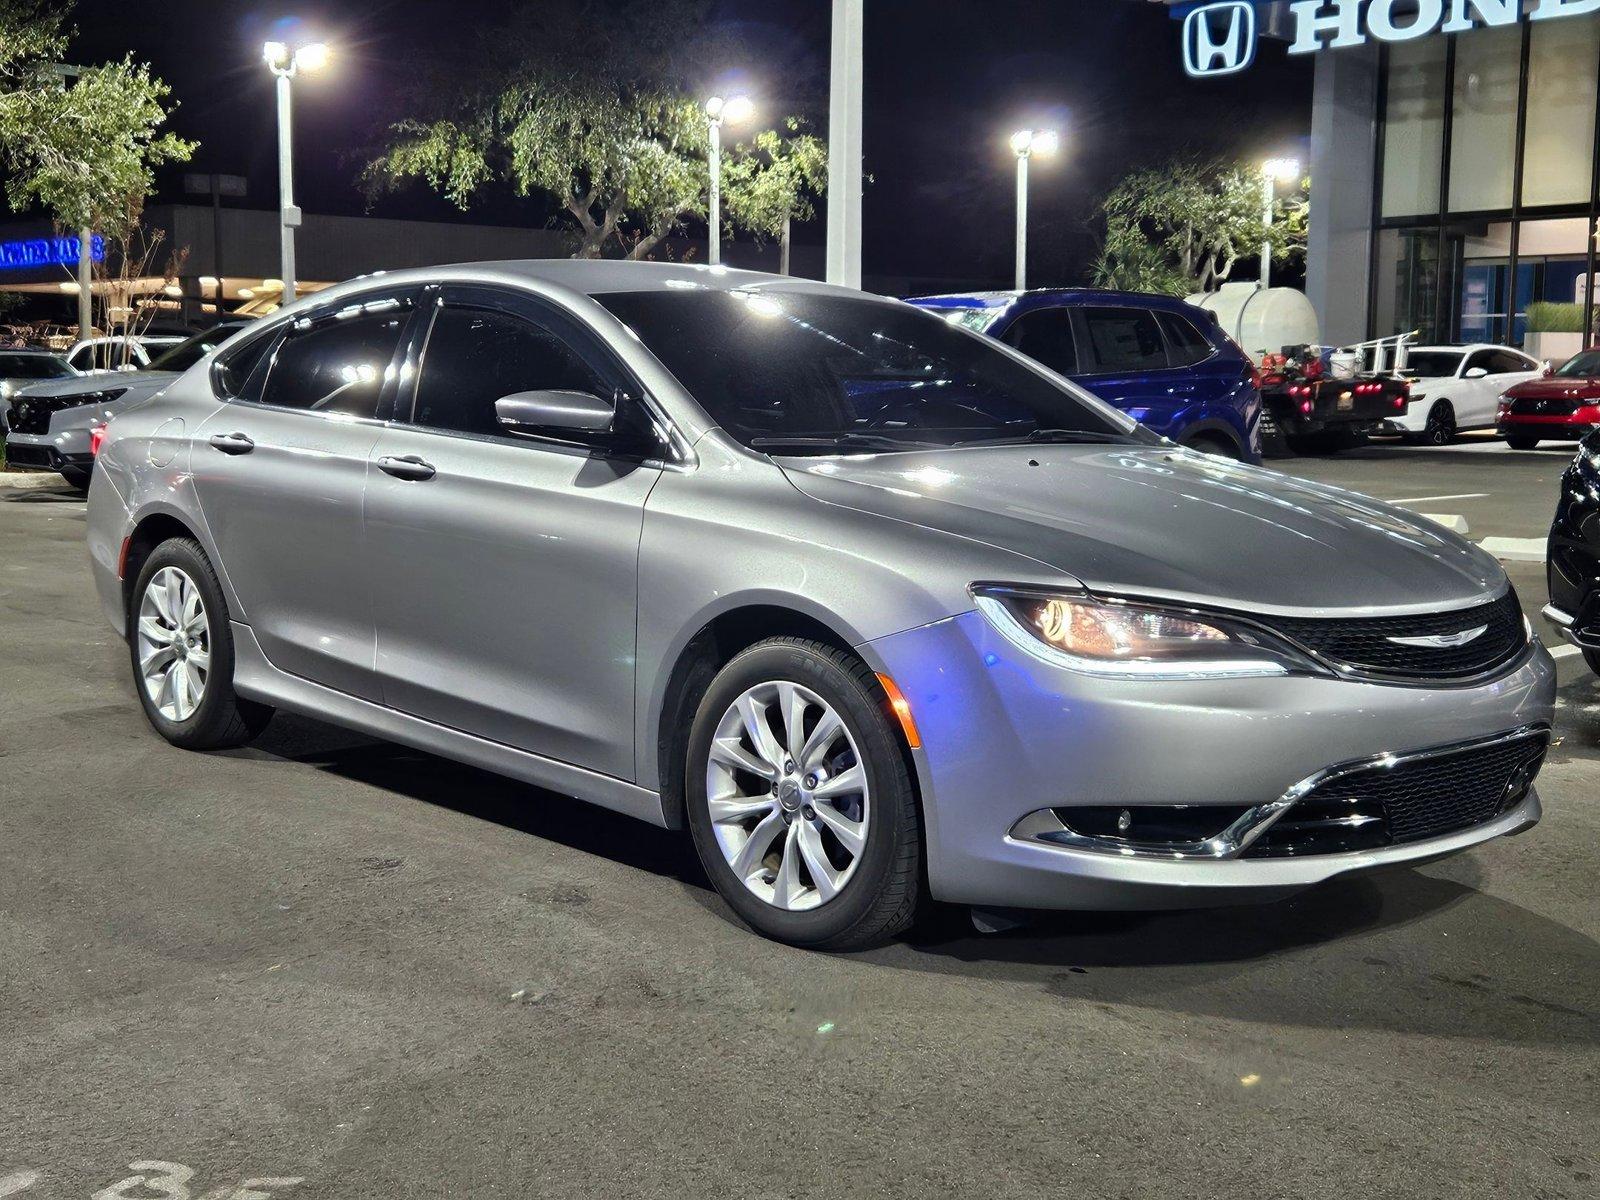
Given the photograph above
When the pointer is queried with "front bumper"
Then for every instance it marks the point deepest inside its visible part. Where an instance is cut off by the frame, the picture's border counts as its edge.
(1554, 428)
(68, 450)
(1005, 736)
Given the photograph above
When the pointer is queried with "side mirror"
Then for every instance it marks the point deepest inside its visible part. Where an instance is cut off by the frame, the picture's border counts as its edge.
(1475, 373)
(547, 411)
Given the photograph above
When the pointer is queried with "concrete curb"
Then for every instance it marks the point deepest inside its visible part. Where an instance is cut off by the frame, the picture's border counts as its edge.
(29, 481)
(1451, 521)
(1509, 549)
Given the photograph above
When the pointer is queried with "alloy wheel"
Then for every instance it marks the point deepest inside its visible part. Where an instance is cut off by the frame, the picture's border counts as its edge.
(174, 641)
(788, 795)
(1441, 427)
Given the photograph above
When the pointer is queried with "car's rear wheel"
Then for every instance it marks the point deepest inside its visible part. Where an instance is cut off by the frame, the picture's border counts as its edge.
(1215, 445)
(1521, 441)
(182, 650)
(799, 798)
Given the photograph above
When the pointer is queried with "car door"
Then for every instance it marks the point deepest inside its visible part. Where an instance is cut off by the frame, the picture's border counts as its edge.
(1477, 389)
(1122, 358)
(505, 567)
(279, 471)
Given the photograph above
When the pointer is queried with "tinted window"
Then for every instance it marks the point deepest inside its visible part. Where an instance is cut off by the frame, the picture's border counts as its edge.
(1581, 366)
(1483, 360)
(1046, 336)
(1121, 339)
(240, 372)
(1186, 345)
(1503, 362)
(1432, 364)
(336, 366)
(185, 354)
(476, 356)
(32, 366)
(771, 367)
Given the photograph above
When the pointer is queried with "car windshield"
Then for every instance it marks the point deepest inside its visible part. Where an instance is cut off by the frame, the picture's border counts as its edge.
(185, 354)
(1432, 364)
(1583, 366)
(33, 366)
(801, 373)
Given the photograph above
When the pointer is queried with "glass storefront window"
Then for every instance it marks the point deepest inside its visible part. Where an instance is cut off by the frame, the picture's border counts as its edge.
(1483, 143)
(1408, 282)
(1413, 136)
(1558, 147)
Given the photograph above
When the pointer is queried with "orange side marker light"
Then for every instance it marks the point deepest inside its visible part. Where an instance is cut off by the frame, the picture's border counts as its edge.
(902, 711)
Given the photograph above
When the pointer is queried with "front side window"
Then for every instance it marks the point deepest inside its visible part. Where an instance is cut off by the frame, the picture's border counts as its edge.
(801, 372)
(339, 365)
(476, 356)
(1122, 339)
(1504, 362)
(1045, 335)
(1483, 360)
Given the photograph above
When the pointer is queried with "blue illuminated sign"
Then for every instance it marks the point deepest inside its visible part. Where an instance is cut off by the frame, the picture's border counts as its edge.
(47, 252)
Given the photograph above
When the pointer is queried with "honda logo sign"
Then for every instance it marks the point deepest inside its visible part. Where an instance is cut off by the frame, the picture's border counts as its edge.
(1219, 39)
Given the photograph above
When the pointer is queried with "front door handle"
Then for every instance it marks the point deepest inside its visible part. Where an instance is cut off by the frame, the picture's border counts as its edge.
(406, 466)
(232, 443)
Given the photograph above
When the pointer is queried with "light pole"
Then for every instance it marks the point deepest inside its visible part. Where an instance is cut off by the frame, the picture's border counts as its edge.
(1025, 143)
(287, 62)
(1273, 172)
(733, 110)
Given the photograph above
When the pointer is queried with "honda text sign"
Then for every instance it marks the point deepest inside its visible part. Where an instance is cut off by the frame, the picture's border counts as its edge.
(1219, 39)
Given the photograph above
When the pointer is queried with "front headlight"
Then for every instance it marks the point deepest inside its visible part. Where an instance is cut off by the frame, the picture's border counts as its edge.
(1134, 641)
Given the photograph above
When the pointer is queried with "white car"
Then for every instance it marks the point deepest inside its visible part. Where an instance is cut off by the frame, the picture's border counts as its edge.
(1455, 388)
(125, 353)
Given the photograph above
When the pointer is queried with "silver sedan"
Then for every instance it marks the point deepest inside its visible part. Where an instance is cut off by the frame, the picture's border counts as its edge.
(876, 608)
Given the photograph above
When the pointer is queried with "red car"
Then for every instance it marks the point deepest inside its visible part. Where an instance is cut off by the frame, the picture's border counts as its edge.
(1561, 407)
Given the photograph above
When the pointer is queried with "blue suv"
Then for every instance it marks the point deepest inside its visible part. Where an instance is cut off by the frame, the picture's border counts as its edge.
(1165, 363)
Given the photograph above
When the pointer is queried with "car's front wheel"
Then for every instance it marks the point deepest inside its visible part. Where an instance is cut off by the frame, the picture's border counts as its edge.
(1521, 441)
(182, 650)
(800, 802)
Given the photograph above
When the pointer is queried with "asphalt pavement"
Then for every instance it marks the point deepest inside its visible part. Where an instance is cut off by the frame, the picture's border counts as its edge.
(325, 966)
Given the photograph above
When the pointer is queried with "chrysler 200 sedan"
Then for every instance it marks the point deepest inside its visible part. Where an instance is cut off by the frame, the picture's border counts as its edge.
(876, 607)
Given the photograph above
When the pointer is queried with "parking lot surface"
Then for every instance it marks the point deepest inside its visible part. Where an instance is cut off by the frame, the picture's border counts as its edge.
(327, 966)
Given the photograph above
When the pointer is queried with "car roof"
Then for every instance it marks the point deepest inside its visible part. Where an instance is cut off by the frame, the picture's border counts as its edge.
(1045, 297)
(1463, 348)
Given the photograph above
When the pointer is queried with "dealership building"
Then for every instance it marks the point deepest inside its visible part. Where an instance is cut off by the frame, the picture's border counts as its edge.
(1453, 156)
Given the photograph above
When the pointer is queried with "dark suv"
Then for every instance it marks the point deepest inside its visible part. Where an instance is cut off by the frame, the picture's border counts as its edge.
(1165, 363)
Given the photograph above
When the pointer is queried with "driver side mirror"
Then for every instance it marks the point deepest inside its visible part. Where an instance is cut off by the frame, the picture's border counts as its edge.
(1475, 373)
(554, 411)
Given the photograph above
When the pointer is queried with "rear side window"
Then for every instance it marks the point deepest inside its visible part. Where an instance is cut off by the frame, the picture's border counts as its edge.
(239, 374)
(336, 366)
(1045, 335)
(1186, 345)
(1121, 339)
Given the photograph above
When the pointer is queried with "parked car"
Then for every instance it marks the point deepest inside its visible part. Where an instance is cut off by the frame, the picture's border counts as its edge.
(1457, 388)
(19, 368)
(1573, 558)
(53, 422)
(1165, 363)
(860, 597)
(119, 353)
(1560, 407)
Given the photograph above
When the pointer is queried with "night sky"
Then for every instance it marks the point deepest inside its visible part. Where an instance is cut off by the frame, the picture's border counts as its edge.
(946, 82)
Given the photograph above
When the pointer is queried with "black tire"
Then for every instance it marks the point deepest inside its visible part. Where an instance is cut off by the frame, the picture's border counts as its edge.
(222, 719)
(1592, 657)
(1215, 444)
(1521, 441)
(77, 480)
(1440, 427)
(880, 899)
(1329, 441)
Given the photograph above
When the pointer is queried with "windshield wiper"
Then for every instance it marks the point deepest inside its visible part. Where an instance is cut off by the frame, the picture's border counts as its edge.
(840, 441)
(1063, 437)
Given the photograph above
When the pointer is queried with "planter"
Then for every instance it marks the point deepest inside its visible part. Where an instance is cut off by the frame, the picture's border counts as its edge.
(1554, 348)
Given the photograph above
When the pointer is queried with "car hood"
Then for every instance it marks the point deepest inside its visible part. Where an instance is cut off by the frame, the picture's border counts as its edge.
(138, 383)
(1554, 388)
(1152, 521)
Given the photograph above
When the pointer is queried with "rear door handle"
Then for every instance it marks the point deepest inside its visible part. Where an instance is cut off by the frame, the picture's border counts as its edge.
(406, 466)
(232, 443)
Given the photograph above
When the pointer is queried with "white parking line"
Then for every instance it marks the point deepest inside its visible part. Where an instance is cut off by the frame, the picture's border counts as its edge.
(1509, 549)
(1430, 499)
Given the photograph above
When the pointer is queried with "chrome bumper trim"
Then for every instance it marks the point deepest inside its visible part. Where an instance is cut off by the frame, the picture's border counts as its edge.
(1562, 620)
(1044, 827)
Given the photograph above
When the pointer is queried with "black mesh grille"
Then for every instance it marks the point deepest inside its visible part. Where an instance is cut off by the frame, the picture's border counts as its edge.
(1422, 798)
(1365, 644)
(31, 414)
(1530, 407)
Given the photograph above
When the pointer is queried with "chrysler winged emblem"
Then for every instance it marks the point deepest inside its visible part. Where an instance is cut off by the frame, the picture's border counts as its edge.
(1442, 641)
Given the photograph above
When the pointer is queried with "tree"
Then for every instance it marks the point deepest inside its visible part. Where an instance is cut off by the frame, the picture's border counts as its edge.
(81, 143)
(1183, 227)
(774, 182)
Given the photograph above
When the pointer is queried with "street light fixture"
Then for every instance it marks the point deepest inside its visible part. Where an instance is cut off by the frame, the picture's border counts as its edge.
(735, 110)
(1025, 143)
(1273, 172)
(286, 62)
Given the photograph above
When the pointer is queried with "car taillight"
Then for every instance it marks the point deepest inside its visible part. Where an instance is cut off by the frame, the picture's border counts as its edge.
(1306, 406)
(97, 435)
(1399, 401)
